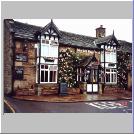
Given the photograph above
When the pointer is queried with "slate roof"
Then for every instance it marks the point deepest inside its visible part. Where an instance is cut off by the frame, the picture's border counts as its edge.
(103, 40)
(87, 60)
(106, 39)
(72, 39)
(24, 30)
(124, 46)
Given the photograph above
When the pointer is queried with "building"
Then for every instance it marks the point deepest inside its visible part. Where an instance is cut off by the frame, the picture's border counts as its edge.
(38, 59)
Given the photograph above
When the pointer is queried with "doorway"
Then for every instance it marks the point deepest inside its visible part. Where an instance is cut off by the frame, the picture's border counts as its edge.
(92, 82)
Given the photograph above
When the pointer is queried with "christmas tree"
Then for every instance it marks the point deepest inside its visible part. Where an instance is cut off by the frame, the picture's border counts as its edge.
(122, 69)
(68, 61)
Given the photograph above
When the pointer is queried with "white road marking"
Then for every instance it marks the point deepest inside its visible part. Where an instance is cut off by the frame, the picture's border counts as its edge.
(106, 105)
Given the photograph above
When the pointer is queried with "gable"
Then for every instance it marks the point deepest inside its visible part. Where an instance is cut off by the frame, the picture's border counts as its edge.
(88, 61)
(51, 29)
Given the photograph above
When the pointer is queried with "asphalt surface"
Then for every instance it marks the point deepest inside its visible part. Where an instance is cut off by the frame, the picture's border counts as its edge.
(21, 106)
(7, 109)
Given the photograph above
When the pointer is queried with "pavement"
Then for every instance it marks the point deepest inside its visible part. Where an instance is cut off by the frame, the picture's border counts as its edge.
(77, 98)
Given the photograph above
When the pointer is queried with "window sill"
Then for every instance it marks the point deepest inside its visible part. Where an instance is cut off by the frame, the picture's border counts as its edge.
(47, 82)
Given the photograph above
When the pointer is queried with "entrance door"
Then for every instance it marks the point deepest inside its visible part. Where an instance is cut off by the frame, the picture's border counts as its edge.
(92, 88)
(92, 83)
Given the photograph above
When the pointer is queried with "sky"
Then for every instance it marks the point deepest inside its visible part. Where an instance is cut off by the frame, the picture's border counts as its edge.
(122, 27)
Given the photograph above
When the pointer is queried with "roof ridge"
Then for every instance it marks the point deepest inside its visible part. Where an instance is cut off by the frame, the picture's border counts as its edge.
(78, 34)
(125, 41)
(28, 24)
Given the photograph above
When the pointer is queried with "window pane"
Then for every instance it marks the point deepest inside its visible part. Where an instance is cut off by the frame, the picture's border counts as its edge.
(46, 76)
(42, 76)
(51, 68)
(42, 66)
(45, 50)
(107, 77)
(96, 75)
(114, 79)
(43, 41)
(47, 41)
(52, 76)
(107, 70)
(46, 66)
(114, 70)
(53, 51)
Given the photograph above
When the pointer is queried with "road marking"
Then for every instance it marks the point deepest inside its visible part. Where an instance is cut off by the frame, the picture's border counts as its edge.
(106, 105)
(11, 108)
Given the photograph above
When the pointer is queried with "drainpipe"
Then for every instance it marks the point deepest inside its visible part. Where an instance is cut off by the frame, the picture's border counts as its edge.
(39, 64)
(13, 64)
(104, 72)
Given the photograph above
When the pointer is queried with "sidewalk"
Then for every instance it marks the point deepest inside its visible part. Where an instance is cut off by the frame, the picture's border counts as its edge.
(75, 98)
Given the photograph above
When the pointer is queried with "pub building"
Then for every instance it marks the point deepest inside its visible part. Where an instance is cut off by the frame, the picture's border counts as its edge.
(37, 60)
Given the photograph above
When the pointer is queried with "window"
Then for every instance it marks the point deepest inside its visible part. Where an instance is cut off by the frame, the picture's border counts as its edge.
(45, 41)
(53, 51)
(49, 49)
(48, 73)
(45, 50)
(19, 72)
(102, 56)
(110, 56)
(107, 56)
(111, 76)
(93, 76)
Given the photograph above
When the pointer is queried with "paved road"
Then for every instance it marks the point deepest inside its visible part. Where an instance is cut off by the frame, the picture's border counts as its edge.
(21, 106)
(7, 109)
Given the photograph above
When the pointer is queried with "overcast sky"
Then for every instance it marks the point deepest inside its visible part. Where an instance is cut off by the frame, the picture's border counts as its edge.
(122, 27)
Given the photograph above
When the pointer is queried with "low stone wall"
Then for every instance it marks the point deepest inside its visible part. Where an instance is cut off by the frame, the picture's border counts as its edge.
(73, 91)
(45, 89)
(112, 89)
(25, 92)
(48, 89)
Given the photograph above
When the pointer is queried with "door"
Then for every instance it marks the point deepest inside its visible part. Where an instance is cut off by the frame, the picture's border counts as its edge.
(92, 83)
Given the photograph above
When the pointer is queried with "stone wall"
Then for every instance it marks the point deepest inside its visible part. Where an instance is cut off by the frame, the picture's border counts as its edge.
(8, 58)
(29, 78)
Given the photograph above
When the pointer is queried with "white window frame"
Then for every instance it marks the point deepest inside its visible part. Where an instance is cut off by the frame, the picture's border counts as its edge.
(111, 72)
(50, 45)
(102, 56)
(43, 69)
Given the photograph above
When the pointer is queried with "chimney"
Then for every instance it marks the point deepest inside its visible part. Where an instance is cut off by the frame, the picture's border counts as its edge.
(100, 31)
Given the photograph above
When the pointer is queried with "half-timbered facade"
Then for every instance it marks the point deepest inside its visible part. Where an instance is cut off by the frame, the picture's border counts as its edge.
(32, 62)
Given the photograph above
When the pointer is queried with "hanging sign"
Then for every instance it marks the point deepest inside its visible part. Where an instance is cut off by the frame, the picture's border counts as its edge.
(21, 57)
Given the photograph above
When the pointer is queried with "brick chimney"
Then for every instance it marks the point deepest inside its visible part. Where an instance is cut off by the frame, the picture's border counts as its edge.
(100, 31)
